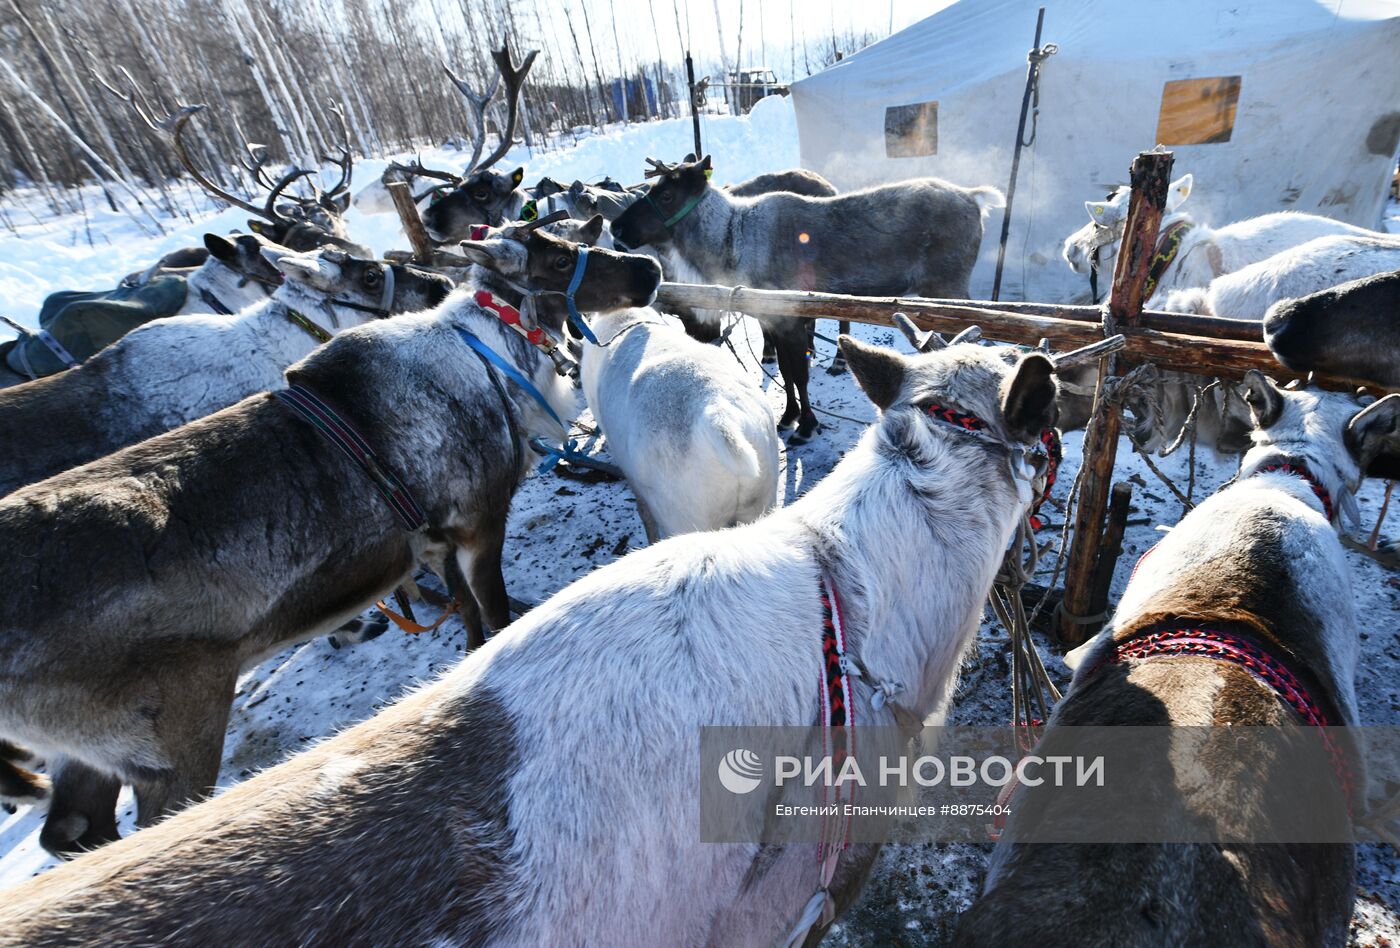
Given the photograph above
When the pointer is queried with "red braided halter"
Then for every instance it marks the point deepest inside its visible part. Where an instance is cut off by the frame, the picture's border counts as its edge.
(1299, 469)
(1049, 444)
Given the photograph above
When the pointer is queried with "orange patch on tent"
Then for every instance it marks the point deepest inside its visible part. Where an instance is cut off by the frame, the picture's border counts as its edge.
(1198, 111)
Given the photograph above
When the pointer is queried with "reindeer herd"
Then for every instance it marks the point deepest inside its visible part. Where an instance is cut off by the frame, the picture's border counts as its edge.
(319, 426)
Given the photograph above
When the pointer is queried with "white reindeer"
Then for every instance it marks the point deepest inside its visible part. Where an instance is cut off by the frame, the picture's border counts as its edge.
(1316, 265)
(1203, 252)
(546, 791)
(697, 441)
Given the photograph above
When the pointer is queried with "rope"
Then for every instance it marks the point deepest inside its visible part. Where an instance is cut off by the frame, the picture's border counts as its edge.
(777, 381)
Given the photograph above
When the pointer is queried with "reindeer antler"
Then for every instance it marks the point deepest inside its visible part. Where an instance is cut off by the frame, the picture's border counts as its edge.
(173, 126)
(659, 168)
(514, 77)
(346, 161)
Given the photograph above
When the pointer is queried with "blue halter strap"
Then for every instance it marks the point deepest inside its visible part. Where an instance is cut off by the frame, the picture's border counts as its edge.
(574, 284)
(510, 372)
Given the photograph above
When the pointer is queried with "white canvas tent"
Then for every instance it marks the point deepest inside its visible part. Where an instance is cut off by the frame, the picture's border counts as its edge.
(1271, 104)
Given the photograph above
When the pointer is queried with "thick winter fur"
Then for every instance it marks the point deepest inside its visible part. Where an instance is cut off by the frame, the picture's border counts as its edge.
(1299, 271)
(694, 436)
(914, 238)
(545, 791)
(1261, 556)
(172, 371)
(1351, 330)
(206, 548)
(1205, 252)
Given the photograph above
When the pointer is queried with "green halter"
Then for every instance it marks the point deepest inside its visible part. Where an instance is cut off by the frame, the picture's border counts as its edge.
(686, 208)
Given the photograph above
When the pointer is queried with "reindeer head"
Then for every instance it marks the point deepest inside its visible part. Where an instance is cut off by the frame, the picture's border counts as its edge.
(1105, 228)
(1327, 431)
(371, 286)
(1349, 330)
(533, 260)
(1015, 400)
(675, 191)
(483, 197)
(243, 253)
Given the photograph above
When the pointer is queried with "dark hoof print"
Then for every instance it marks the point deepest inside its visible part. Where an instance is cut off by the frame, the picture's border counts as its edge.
(837, 368)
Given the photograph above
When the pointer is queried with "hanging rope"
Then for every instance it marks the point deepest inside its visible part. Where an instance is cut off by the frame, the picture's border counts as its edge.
(1036, 57)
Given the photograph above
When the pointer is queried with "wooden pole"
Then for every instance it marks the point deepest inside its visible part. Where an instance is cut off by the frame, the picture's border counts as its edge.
(1150, 176)
(412, 223)
(694, 109)
(1032, 77)
(1112, 547)
(1201, 345)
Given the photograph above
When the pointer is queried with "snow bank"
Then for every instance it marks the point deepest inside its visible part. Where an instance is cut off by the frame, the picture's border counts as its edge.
(55, 255)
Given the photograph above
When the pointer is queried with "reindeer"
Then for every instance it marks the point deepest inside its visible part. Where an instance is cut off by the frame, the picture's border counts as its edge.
(693, 435)
(298, 223)
(1351, 330)
(207, 548)
(172, 371)
(526, 780)
(482, 196)
(1257, 572)
(1298, 271)
(785, 241)
(1189, 253)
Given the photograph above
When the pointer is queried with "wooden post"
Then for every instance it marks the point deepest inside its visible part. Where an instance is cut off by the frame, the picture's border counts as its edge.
(412, 223)
(1120, 498)
(694, 108)
(1150, 176)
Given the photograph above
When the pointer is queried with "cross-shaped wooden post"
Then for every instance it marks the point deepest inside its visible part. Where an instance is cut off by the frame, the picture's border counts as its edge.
(1150, 177)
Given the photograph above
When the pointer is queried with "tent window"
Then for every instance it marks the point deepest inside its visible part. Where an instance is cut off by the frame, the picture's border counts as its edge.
(1198, 111)
(911, 131)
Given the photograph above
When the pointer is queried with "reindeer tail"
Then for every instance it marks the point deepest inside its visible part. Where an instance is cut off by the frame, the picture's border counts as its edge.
(988, 198)
(724, 427)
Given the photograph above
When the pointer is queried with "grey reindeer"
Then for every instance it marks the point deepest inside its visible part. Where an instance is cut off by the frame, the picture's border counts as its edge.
(918, 237)
(209, 547)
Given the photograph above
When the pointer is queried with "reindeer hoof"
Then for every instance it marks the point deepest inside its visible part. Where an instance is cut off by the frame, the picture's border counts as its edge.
(358, 631)
(805, 430)
(787, 421)
(837, 367)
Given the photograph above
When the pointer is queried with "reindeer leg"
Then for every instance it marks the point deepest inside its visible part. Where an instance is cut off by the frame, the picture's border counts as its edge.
(838, 364)
(487, 582)
(770, 348)
(83, 810)
(800, 370)
(455, 571)
(197, 696)
(789, 348)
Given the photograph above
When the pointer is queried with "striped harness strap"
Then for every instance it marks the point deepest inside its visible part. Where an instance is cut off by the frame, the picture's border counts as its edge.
(838, 743)
(307, 325)
(46, 337)
(510, 315)
(341, 433)
(1165, 254)
(1263, 666)
(1047, 448)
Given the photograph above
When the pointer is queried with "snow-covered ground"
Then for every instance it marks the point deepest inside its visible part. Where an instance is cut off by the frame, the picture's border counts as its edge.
(561, 529)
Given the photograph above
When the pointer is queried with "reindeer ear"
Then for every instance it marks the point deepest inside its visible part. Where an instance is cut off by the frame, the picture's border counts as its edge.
(517, 176)
(1373, 437)
(1179, 191)
(879, 372)
(592, 229)
(258, 227)
(1028, 404)
(220, 248)
(705, 164)
(1101, 212)
(1263, 397)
